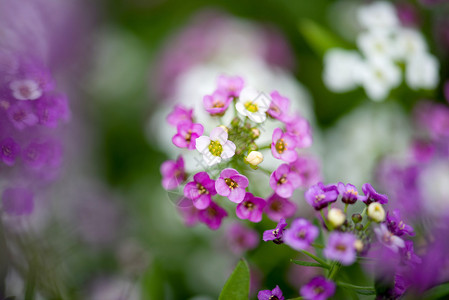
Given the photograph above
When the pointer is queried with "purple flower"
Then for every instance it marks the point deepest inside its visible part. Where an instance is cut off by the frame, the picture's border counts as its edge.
(408, 255)
(275, 294)
(301, 131)
(400, 286)
(276, 234)
(230, 85)
(241, 238)
(308, 169)
(320, 195)
(200, 190)
(188, 211)
(187, 134)
(18, 201)
(231, 184)
(180, 114)
(250, 208)
(396, 225)
(349, 193)
(50, 109)
(372, 196)
(301, 234)
(319, 288)
(283, 146)
(216, 147)
(212, 216)
(9, 150)
(388, 239)
(279, 106)
(340, 247)
(35, 155)
(173, 173)
(278, 208)
(284, 181)
(21, 115)
(217, 103)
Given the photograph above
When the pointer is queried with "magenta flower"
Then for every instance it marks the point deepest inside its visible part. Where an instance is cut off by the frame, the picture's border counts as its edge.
(396, 225)
(187, 134)
(241, 238)
(279, 107)
(51, 109)
(408, 255)
(319, 288)
(212, 216)
(230, 85)
(35, 155)
(17, 201)
(231, 184)
(372, 196)
(217, 103)
(388, 239)
(340, 247)
(250, 208)
(180, 114)
(9, 151)
(308, 169)
(173, 173)
(278, 208)
(276, 234)
(200, 190)
(283, 146)
(21, 115)
(275, 294)
(349, 193)
(188, 212)
(301, 234)
(300, 129)
(320, 195)
(284, 181)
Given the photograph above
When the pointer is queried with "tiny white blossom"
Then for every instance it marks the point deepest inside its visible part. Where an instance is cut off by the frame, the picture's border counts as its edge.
(341, 70)
(26, 89)
(336, 217)
(254, 158)
(253, 104)
(422, 71)
(409, 43)
(379, 77)
(377, 43)
(376, 212)
(216, 147)
(379, 14)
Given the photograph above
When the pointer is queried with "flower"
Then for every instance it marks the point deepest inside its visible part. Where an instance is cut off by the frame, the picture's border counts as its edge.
(180, 114)
(408, 255)
(21, 115)
(284, 181)
(231, 184)
(241, 238)
(276, 234)
(372, 196)
(187, 134)
(378, 15)
(336, 217)
(349, 193)
(188, 211)
(230, 85)
(52, 108)
(377, 43)
(173, 173)
(341, 247)
(396, 225)
(279, 106)
(320, 195)
(300, 129)
(200, 190)
(17, 201)
(422, 71)
(212, 216)
(217, 147)
(341, 70)
(9, 150)
(250, 208)
(253, 104)
(309, 170)
(283, 146)
(376, 212)
(217, 103)
(319, 288)
(275, 294)
(278, 208)
(301, 234)
(388, 239)
(254, 158)
(26, 89)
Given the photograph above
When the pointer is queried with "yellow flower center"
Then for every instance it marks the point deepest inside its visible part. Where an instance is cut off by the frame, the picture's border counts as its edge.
(231, 183)
(251, 106)
(280, 146)
(215, 148)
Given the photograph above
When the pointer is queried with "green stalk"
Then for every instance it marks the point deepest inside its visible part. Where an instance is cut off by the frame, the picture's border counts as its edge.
(316, 258)
(353, 286)
(325, 221)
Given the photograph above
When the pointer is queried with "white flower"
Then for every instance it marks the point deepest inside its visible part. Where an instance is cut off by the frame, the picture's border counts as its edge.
(409, 43)
(26, 89)
(379, 76)
(341, 68)
(388, 239)
(377, 43)
(422, 71)
(336, 217)
(215, 148)
(379, 14)
(254, 158)
(434, 183)
(376, 212)
(253, 104)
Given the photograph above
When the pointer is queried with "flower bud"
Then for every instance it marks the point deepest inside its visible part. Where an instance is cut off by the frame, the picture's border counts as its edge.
(336, 217)
(359, 227)
(255, 133)
(357, 218)
(235, 122)
(254, 158)
(224, 127)
(252, 147)
(376, 212)
(358, 245)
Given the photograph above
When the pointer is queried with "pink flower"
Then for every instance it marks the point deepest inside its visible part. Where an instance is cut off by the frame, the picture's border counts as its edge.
(9, 150)
(187, 134)
(200, 190)
(241, 238)
(217, 103)
(230, 85)
(17, 201)
(180, 114)
(284, 181)
(279, 106)
(231, 184)
(278, 208)
(21, 115)
(188, 211)
(283, 146)
(309, 170)
(300, 129)
(212, 216)
(251, 208)
(173, 173)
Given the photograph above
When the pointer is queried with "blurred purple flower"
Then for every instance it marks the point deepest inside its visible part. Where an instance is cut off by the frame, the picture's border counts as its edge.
(241, 238)
(17, 201)
(231, 86)
(180, 114)
(9, 151)
(276, 234)
(278, 208)
(388, 239)
(188, 211)
(308, 169)
(373, 196)
(173, 173)
(300, 128)
(396, 225)
(187, 134)
(212, 216)
(250, 208)
(301, 234)
(21, 115)
(320, 195)
(340, 247)
(217, 103)
(275, 294)
(319, 288)
(279, 106)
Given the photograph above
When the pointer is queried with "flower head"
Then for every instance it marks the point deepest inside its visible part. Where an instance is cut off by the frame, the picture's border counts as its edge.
(230, 85)
(254, 158)
(25, 89)
(408, 255)
(396, 225)
(276, 234)
(336, 217)
(173, 173)
(253, 104)
(22, 115)
(376, 212)
(319, 288)
(216, 147)
(372, 196)
(212, 216)
(320, 195)
(278, 208)
(301, 234)
(217, 103)
(349, 193)
(341, 247)
(250, 208)
(388, 239)
(241, 238)
(309, 170)
(301, 131)
(9, 151)
(50, 109)
(284, 181)
(200, 190)
(188, 211)
(18, 201)
(180, 114)
(187, 134)
(279, 107)
(283, 146)
(231, 184)
(275, 294)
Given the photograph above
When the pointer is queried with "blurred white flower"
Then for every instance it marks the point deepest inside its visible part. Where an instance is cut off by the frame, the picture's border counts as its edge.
(422, 71)
(379, 14)
(341, 69)
(379, 76)
(409, 43)
(434, 183)
(377, 43)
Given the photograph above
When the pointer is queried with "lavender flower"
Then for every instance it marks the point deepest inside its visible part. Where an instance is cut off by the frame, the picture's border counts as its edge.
(408, 255)
(216, 147)
(212, 216)
(51, 109)
(276, 234)
(301, 234)
(230, 85)
(340, 247)
(278, 208)
(301, 131)
(241, 238)
(200, 190)
(396, 225)
(275, 294)
(308, 169)
(319, 288)
(188, 211)
(217, 103)
(349, 193)
(180, 114)
(284, 181)
(388, 239)
(372, 196)
(279, 107)
(250, 208)
(17, 201)
(320, 195)
(22, 116)
(283, 146)
(9, 151)
(187, 134)
(173, 173)
(231, 184)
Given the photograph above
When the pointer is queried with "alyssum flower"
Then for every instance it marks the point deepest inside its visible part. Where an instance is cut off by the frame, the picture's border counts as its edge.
(216, 147)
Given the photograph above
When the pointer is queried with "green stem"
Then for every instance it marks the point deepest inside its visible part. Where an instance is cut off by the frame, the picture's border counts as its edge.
(264, 170)
(346, 207)
(329, 227)
(30, 285)
(316, 258)
(317, 246)
(363, 212)
(297, 298)
(367, 225)
(334, 270)
(265, 147)
(353, 286)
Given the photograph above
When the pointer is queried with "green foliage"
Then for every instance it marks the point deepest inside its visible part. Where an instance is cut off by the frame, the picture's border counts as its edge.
(237, 285)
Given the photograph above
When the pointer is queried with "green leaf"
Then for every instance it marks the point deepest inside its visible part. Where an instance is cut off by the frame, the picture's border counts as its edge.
(438, 292)
(308, 264)
(152, 283)
(362, 290)
(237, 285)
(319, 38)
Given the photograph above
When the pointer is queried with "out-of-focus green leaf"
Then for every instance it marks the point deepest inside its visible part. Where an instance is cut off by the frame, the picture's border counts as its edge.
(237, 285)
(308, 264)
(152, 284)
(438, 292)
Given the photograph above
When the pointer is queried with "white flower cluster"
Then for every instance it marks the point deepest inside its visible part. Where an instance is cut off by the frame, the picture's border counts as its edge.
(385, 46)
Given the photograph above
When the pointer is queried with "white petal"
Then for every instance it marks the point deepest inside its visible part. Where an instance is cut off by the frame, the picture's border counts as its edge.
(257, 117)
(211, 159)
(202, 144)
(228, 150)
(241, 108)
(219, 134)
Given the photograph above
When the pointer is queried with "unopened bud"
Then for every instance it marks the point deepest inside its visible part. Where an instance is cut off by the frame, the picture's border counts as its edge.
(376, 212)
(255, 133)
(336, 217)
(224, 127)
(254, 158)
(252, 147)
(358, 245)
(235, 122)
(357, 218)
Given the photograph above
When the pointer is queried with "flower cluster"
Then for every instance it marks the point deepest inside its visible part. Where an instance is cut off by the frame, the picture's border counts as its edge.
(384, 46)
